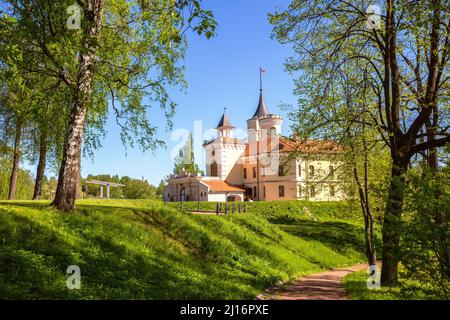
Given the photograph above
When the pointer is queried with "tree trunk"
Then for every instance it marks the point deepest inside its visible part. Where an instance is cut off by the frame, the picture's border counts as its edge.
(70, 167)
(15, 167)
(368, 224)
(392, 224)
(367, 213)
(41, 167)
(431, 127)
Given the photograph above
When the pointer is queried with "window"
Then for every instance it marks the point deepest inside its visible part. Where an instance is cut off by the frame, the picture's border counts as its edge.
(281, 171)
(311, 171)
(254, 192)
(299, 188)
(281, 191)
(264, 191)
(299, 170)
(214, 169)
(245, 173)
(273, 132)
(332, 191)
(213, 152)
(331, 172)
(254, 172)
(312, 191)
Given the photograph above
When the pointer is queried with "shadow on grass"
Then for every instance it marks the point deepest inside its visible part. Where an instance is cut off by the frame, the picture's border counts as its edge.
(80, 208)
(36, 253)
(339, 236)
(34, 259)
(27, 204)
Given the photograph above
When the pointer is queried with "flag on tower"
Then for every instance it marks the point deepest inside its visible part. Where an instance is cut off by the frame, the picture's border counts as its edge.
(261, 71)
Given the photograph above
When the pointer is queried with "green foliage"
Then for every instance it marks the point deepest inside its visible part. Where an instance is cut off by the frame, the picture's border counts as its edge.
(185, 161)
(425, 244)
(25, 182)
(138, 52)
(49, 188)
(142, 250)
(426, 236)
(160, 189)
(93, 191)
(133, 189)
(139, 189)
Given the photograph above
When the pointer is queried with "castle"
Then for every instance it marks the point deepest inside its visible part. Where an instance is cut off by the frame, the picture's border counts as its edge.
(265, 167)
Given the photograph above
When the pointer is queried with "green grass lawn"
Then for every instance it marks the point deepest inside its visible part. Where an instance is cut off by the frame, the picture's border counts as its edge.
(137, 249)
(407, 289)
(356, 287)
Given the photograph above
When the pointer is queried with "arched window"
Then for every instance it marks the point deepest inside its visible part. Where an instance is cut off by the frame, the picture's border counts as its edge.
(183, 194)
(273, 132)
(213, 152)
(214, 169)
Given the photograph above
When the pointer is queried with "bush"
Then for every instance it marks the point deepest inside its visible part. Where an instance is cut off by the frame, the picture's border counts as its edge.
(426, 240)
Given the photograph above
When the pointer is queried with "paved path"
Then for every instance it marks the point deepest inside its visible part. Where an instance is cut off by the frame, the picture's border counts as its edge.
(320, 286)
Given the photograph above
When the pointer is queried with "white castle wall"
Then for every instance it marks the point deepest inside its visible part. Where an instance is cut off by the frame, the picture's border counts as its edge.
(226, 156)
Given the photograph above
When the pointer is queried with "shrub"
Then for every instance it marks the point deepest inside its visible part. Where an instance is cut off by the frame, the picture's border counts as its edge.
(426, 240)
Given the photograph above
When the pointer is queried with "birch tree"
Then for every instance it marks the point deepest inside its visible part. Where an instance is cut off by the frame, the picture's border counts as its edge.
(123, 52)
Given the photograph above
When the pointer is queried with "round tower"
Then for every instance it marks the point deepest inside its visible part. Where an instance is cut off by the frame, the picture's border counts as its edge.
(263, 124)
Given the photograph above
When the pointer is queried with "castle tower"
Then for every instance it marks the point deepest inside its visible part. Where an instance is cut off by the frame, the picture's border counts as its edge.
(263, 124)
(223, 152)
(225, 128)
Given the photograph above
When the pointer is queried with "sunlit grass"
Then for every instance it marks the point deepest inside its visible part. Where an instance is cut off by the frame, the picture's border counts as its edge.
(140, 249)
(407, 289)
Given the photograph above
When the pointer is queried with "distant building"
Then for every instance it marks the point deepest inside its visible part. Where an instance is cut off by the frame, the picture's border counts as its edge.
(266, 167)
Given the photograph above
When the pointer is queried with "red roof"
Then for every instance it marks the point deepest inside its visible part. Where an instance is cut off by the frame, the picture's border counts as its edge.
(295, 145)
(219, 185)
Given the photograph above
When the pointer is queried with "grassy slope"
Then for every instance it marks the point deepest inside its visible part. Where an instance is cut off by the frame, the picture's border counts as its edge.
(143, 250)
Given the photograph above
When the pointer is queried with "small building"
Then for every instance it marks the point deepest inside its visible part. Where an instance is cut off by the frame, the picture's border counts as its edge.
(192, 187)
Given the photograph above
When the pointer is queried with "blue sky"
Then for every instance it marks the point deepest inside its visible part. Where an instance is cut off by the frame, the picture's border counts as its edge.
(221, 72)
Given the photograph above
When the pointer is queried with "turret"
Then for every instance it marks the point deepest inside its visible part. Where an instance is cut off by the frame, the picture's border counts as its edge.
(263, 124)
(223, 152)
(225, 128)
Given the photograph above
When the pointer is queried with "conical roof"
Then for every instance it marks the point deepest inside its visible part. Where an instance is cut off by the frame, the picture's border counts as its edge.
(224, 121)
(262, 109)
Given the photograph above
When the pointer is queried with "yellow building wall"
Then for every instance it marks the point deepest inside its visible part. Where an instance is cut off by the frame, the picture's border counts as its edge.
(298, 180)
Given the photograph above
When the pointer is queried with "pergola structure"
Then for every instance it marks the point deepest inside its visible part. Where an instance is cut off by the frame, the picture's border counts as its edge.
(103, 184)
